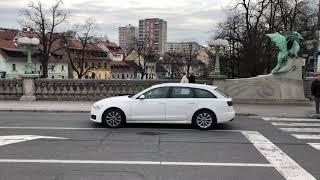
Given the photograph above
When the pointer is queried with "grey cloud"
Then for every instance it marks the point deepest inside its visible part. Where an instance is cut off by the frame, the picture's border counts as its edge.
(179, 27)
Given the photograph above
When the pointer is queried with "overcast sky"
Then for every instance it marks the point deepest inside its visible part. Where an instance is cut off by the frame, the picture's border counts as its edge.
(188, 20)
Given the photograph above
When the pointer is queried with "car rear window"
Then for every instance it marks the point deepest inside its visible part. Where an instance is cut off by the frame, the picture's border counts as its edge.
(218, 91)
(201, 93)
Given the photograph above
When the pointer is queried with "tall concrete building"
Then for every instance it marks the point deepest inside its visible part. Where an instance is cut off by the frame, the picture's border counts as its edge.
(153, 34)
(128, 37)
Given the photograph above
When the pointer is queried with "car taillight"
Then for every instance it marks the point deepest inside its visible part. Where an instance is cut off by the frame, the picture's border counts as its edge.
(230, 103)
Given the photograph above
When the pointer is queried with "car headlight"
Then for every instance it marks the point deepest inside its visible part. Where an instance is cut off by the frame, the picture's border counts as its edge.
(97, 106)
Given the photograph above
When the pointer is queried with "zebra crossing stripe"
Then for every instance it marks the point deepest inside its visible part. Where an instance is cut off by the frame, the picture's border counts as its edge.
(315, 145)
(306, 136)
(295, 124)
(291, 119)
(305, 130)
(286, 166)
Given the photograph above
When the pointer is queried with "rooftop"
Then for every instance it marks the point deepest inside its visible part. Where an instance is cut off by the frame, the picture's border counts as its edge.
(191, 85)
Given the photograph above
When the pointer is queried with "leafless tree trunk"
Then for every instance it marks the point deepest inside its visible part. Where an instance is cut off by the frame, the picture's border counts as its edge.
(44, 23)
(145, 55)
(77, 55)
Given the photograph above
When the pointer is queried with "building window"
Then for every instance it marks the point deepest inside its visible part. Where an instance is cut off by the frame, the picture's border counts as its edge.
(62, 68)
(52, 77)
(92, 65)
(99, 65)
(14, 67)
(62, 77)
(86, 64)
(105, 65)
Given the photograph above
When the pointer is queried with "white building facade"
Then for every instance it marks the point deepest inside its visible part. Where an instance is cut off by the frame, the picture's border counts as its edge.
(12, 65)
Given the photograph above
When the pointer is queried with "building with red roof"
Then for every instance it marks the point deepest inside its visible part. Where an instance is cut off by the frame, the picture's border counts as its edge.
(114, 51)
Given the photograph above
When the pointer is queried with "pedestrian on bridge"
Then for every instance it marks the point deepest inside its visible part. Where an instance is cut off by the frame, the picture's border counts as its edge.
(315, 90)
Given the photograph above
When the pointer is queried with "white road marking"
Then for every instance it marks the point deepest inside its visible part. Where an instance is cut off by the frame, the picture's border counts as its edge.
(296, 124)
(132, 162)
(50, 128)
(286, 166)
(315, 145)
(305, 130)
(5, 140)
(306, 136)
(78, 128)
(291, 119)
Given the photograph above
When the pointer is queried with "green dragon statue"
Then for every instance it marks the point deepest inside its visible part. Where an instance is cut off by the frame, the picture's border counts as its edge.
(288, 45)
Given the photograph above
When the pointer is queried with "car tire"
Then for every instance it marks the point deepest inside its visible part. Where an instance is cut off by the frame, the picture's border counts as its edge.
(204, 119)
(113, 118)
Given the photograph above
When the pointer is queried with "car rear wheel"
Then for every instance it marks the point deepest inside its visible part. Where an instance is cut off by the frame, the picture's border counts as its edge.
(204, 119)
(113, 118)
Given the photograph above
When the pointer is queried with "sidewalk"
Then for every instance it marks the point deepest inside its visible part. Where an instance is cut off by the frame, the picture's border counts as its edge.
(84, 106)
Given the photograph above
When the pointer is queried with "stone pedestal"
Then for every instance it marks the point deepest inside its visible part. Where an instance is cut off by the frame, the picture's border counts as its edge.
(217, 80)
(283, 88)
(28, 87)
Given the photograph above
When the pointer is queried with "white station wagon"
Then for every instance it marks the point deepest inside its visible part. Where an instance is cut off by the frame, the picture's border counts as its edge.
(171, 103)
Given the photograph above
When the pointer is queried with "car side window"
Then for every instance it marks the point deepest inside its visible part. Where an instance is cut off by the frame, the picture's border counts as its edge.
(201, 93)
(157, 93)
(181, 92)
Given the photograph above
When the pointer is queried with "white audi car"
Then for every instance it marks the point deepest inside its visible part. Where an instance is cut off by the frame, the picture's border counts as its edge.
(172, 103)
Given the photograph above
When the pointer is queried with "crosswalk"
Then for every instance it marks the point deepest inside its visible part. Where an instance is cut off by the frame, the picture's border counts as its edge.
(300, 128)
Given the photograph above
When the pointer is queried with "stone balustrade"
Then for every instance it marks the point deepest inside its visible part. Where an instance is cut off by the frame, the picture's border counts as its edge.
(11, 89)
(90, 90)
(80, 90)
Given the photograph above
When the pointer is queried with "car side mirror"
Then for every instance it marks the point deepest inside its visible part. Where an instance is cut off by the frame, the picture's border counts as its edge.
(142, 97)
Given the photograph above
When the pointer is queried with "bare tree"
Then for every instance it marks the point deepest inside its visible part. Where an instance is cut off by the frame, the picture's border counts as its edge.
(44, 23)
(77, 54)
(145, 54)
(190, 55)
(251, 52)
(171, 61)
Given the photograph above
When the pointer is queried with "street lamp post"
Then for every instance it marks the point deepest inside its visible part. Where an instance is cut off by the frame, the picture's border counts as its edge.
(29, 45)
(217, 45)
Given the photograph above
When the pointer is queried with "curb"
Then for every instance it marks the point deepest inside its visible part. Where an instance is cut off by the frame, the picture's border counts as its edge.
(87, 111)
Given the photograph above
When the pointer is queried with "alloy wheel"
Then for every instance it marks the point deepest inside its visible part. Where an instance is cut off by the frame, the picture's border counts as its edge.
(113, 119)
(204, 120)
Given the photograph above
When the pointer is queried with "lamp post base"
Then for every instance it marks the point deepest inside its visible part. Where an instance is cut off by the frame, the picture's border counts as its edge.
(28, 87)
(28, 98)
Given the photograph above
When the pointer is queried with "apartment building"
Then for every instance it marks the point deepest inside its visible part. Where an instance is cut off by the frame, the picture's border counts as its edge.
(128, 37)
(153, 34)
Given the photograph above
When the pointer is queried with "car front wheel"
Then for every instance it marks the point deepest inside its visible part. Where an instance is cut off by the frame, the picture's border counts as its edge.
(204, 119)
(113, 118)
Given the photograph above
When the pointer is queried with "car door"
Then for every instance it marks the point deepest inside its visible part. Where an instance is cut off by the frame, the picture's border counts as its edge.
(181, 104)
(152, 107)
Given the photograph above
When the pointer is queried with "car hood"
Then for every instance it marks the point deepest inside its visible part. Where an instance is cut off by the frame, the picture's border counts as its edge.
(114, 99)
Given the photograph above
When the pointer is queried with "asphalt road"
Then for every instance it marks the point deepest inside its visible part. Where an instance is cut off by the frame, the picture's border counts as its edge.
(245, 149)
